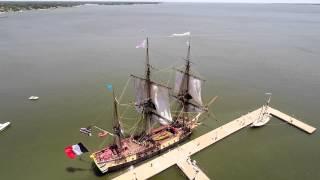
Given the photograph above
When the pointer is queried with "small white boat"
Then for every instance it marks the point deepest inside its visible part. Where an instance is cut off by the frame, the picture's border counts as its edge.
(33, 98)
(261, 121)
(264, 116)
(4, 125)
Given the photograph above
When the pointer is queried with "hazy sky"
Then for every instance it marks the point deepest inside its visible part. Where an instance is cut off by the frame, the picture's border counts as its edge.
(243, 1)
(237, 1)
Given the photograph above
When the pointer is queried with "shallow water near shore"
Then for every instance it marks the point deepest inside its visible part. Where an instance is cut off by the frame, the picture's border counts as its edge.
(67, 55)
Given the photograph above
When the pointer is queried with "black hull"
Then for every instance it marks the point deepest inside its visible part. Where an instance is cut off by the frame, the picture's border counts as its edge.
(124, 165)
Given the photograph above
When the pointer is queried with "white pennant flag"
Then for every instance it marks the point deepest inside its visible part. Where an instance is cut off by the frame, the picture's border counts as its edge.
(142, 44)
(180, 35)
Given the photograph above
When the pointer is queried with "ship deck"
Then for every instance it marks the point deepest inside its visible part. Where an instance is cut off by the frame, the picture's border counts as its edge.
(130, 147)
(178, 155)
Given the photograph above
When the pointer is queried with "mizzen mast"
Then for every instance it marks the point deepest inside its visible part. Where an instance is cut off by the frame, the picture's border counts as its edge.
(149, 105)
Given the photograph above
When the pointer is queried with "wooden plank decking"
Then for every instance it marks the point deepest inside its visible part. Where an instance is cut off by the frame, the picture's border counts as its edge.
(291, 120)
(179, 154)
(191, 171)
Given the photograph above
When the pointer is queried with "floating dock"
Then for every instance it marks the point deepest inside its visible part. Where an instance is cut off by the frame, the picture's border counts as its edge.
(179, 155)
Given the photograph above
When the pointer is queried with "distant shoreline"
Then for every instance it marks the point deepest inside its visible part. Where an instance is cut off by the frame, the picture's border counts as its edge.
(19, 6)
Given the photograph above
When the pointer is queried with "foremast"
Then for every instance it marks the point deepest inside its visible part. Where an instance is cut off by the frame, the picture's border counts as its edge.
(188, 90)
(185, 96)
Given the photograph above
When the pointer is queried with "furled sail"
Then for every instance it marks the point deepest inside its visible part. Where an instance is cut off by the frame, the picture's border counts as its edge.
(159, 96)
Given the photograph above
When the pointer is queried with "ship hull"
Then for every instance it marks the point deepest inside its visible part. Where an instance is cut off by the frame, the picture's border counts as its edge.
(138, 160)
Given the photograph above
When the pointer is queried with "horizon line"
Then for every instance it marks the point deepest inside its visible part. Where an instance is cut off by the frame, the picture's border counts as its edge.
(169, 1)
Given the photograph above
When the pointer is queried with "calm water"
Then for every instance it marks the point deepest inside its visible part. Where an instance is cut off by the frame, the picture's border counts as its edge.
(66, 55)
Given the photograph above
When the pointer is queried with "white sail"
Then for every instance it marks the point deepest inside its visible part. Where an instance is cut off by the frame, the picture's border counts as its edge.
(160, 98)
(140, 87)
(178, 82)
(195, 89)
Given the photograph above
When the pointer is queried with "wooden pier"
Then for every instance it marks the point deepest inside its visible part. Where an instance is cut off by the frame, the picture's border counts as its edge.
(291, 120)
(179, 155)
(191, 170)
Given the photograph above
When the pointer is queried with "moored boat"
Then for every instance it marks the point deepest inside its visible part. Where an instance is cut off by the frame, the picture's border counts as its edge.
(33, 98)
(4, 126)
(264, 116)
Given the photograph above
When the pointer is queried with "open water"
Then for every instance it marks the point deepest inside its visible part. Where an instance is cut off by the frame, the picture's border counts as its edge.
(67, 55)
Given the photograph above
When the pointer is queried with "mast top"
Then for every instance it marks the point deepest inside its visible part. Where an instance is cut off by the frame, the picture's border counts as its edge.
(189, 47)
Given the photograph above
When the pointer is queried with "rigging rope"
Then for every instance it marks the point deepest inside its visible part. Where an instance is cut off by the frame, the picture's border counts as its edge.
(163, 36)
(170, 77)
(135, 126)
(128, 118)
(124, 89)
(102, 143)
(169, 67)
(124, 111)
(98, 118)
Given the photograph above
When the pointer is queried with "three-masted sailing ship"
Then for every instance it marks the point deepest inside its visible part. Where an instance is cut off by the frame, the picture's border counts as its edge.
(160, 129)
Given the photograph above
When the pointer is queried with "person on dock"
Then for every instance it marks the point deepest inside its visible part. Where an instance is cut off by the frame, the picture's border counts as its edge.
(135, 176)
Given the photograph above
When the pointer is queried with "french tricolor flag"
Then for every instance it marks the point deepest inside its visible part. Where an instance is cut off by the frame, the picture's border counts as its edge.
(75, 150)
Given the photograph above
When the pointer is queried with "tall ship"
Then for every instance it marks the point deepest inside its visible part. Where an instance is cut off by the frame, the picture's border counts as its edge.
(159, 129)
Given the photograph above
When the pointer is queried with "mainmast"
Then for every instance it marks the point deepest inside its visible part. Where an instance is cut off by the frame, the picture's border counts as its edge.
(147, 110)
(152, 99)
(187, 78)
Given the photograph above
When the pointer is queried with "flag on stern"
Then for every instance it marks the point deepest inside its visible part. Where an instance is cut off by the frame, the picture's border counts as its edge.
(75, 150)
(86, 131)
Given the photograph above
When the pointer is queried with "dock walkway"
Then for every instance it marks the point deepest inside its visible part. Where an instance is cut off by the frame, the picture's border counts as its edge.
(179, 154)
(192, 171)
(291, 120)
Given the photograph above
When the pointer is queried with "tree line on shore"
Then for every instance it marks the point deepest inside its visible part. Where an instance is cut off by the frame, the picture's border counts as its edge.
(12, 6)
